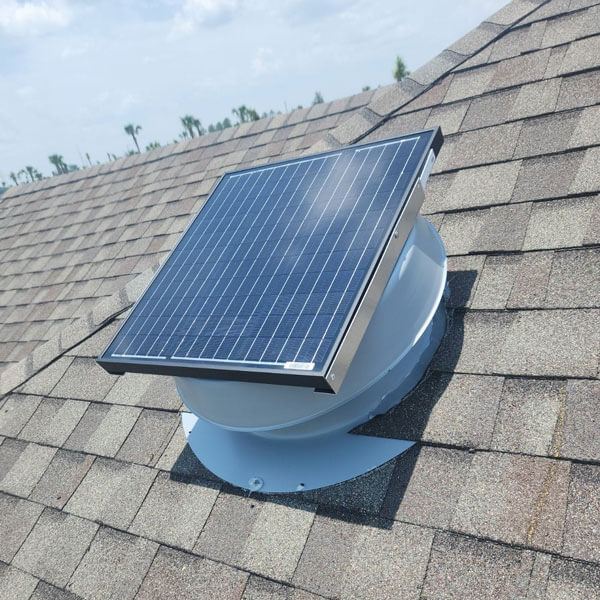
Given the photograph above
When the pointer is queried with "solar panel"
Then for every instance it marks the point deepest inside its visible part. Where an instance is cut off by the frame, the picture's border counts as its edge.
(267, 282)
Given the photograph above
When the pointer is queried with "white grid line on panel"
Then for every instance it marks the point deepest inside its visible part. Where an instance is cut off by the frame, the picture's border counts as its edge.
(258, 215)
(205, 259)
(266, 260)
(321, 243)
(194, 248)
(306, 212)
(366, 246)
(299, 256)
(168, 268)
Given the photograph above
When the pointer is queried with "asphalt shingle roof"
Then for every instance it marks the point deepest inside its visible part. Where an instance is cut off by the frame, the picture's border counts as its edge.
(99, 494)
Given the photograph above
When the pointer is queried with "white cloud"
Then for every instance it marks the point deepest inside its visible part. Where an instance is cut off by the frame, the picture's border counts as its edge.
(204, 13)
(33, 17)
(264, 62)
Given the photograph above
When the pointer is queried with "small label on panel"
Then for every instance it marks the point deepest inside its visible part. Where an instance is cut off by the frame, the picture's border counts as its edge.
(300, 366)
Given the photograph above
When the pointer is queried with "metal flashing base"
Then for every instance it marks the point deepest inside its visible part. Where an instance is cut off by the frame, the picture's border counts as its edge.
(276, 438)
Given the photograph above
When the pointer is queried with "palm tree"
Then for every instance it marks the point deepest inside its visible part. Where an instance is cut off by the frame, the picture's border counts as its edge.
(152, 146)
(58, 161)
(400, 70)
(14, 177)
(196, 123)
(245, 114)
(318, 99)
(132, 130)
(188, 126)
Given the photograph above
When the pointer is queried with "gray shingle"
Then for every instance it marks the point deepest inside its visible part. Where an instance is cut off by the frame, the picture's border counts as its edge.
(463, 272)
(436, 67)
(400, 124)
(27, 469)
(489, 109)
(149, 437)
(547, 176)
(158, 520)
(531, 280)
(580, 55)
(278, 535)
(17, 518)
(570, 580)
(113, 567)
(471, 83)
(258, 588)
(111, 431)
(111, 492)
(54, 548)
(388, 563)
(90, 421)
(582, 535)
(496, 282)
(476, 39)
(228, 527)
(151, 391)
(43, 382)
(466, 568)
(53, 421)
(535, 99)
(61, 478)
(552, 343)
(527, 415)
(448, 116)
(559, 224)
(501, 500)
(547, 134)
(178, 576)
(326, 556)
(45, 591)
(504, 228)
(459, 231)
(586, 132)
(14, 584)
(575, 279)
(482, 146)
(587, 178)
(84, 380)
(427, 485)
(581, 429)
(15, 412)
(359, 124)
(453, 409)
(521, 69)
(390, 98)
(474, 342)
(578, 90)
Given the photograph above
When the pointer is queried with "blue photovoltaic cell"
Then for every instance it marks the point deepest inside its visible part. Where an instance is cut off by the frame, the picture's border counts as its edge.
(271, 268)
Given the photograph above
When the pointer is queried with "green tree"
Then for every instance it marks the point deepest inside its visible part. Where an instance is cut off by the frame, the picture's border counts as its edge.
(87, 155)
(152, 146)
(318, 99)
(366, 88)
(188, 124)
(245, 114)
(400, 70)
(59, 163)
(133, 130)
(14, 177)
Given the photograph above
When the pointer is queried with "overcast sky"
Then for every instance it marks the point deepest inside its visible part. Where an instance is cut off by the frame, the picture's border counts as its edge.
(74, 72)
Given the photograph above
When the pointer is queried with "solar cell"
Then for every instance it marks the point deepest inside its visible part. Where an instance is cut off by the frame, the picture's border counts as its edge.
(266, 279)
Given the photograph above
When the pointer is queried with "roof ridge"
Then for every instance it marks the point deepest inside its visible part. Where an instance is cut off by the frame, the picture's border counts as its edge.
(385, 101)
(239, 130)
(389, 99)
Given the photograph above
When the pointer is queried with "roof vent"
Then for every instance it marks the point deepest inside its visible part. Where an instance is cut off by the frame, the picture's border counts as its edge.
(303, 299)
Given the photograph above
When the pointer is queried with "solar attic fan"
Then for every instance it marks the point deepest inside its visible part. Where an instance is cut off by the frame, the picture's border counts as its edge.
(302, 300)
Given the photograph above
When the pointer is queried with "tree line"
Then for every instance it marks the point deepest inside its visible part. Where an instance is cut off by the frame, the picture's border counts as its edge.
(192, 127)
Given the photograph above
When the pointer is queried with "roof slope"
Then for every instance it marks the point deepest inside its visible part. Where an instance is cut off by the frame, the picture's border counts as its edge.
(70, 240)
(500, 499)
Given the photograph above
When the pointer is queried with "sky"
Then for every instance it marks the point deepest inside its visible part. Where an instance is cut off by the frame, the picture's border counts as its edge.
(73, 73)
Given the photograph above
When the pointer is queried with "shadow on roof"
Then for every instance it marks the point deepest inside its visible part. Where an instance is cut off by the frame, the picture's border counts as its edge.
(372, 498)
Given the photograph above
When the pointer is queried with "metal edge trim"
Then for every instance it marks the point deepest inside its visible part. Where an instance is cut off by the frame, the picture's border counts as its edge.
(362, 317)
